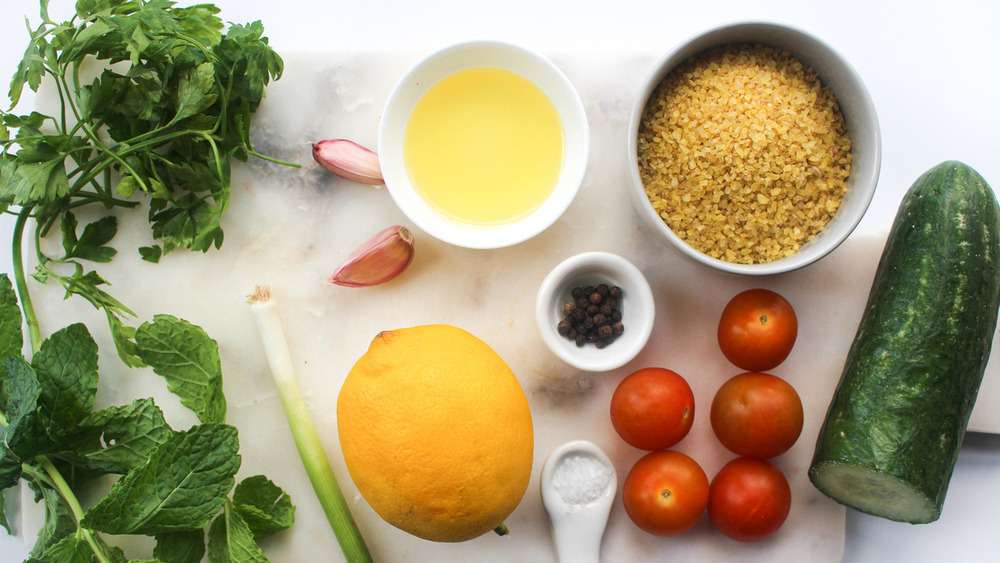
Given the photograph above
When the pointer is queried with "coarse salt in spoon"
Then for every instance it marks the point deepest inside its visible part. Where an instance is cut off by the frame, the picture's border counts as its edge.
(578, 486)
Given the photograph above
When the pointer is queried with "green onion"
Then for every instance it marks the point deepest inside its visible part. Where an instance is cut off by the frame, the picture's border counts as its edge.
(324, 482)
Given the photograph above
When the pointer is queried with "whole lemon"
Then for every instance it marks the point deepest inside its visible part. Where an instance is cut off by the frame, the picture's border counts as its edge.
(436, 432)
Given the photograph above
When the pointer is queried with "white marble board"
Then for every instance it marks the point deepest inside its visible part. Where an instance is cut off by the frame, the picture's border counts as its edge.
(290, 227)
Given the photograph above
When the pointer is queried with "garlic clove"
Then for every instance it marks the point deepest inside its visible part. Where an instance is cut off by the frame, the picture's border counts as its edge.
(382, 258)
(348, 159)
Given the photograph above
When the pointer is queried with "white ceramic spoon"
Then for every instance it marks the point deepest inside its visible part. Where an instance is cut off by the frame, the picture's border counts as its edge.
(578, 511)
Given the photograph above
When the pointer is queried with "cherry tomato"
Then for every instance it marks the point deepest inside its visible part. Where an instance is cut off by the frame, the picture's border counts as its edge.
(757, 415)
(757, 330)
(749, 499)
(665, 493)
(652, 408)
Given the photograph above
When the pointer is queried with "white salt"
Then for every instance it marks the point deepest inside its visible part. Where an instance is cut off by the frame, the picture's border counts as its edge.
(581, 480)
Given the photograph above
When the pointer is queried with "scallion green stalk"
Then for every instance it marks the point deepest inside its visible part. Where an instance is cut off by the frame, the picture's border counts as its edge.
(324, 482)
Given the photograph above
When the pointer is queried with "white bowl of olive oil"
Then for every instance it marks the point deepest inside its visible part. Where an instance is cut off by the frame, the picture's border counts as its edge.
(483, 144)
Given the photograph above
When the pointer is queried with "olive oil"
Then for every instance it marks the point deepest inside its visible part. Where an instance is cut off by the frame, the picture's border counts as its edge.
(484, 146)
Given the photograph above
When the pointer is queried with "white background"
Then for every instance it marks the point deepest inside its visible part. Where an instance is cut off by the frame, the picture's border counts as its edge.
(933, 70)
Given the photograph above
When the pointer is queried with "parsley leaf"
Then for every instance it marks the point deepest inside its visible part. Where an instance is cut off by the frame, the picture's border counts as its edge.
(91, 244)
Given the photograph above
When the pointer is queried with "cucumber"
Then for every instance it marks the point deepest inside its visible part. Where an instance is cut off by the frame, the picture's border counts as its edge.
(893, 429)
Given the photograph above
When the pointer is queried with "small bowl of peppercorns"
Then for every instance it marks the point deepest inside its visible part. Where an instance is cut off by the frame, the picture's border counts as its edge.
(595, 311)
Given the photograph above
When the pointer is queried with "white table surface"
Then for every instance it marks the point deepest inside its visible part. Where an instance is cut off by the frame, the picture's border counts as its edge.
(933, 70)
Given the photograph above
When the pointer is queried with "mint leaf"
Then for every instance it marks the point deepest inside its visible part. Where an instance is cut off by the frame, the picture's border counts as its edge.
(25, 435)
(10, 466)
(263, 505)
(180, 547)
(189, 360)
(11, 337)
(182, 487)
(3, 517)
(119, 439)
(70, 549)
(58, 523)
(66, 368)
(76, 549)
(230, 540)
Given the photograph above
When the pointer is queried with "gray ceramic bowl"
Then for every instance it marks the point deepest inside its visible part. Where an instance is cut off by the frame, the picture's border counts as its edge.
(855, 104)
(591, 268)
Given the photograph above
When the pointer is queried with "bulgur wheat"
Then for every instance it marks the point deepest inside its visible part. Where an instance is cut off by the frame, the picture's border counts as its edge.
(744, 153)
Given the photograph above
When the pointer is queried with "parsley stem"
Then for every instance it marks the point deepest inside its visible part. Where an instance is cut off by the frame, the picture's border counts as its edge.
(307, 441)
(91, 134)
(17, 254)
(52, 474)
(272, 159)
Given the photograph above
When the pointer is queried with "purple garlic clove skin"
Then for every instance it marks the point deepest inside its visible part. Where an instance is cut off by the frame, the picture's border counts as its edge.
(348, 159)
(379, 260)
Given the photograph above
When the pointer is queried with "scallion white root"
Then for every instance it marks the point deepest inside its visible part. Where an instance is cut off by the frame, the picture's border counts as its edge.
(324, 482)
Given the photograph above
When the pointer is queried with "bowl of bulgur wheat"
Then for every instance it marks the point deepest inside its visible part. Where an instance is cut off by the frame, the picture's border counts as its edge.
(754, 148)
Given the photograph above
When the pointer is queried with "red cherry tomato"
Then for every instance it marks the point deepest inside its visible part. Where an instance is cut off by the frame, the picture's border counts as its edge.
(757, 415)
(749, 499)
(665, 493)
(757, 330)
(652, 408)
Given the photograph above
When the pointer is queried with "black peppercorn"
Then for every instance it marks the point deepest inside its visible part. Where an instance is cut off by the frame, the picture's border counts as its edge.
(593, 315)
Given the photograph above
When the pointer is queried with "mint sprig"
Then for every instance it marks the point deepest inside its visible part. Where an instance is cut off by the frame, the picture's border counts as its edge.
(175, 483)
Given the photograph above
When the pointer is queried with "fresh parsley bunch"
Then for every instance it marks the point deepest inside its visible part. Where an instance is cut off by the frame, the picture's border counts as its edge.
(168, 107)
(168, 110)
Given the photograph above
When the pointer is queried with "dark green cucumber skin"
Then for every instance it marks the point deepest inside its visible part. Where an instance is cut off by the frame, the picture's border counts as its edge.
(916, 363)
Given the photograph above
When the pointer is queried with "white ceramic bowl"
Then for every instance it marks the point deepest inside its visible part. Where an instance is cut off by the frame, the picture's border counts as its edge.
(442, 63)
(591, 268)
(855, 104)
